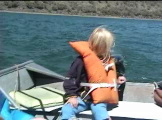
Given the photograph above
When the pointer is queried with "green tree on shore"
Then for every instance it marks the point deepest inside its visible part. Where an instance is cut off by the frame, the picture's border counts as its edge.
(133, 9)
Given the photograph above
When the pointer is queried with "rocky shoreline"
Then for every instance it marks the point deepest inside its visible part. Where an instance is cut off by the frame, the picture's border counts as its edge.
(44, 13)
(122, 9)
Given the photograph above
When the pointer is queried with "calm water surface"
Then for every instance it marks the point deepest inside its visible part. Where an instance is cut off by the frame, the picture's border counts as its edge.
(43, 38)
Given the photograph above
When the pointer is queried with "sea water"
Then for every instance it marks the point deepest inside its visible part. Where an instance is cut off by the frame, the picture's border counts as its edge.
(44, 39)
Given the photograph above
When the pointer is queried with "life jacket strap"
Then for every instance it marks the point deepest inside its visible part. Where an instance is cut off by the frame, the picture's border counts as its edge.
(93, 86)
(108, 66)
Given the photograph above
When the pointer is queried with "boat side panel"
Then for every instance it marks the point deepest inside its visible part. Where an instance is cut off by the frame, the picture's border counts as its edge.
(12, 81)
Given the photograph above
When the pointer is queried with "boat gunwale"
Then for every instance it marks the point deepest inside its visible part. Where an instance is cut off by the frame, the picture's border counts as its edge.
(15, 67)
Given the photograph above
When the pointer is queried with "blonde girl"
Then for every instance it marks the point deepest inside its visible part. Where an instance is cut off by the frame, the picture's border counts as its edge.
(100, 42)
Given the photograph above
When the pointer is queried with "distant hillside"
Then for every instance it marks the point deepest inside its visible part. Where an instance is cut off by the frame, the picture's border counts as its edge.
(133, 9)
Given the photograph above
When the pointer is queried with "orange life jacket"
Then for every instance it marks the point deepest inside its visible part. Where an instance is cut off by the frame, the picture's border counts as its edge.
(97, 74)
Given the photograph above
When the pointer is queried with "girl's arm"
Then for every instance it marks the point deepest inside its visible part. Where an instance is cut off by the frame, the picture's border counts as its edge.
(120, 69)
(72, 82)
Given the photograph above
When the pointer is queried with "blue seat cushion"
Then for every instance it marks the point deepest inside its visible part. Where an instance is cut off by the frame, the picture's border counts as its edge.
(2, 100)
(20, 115)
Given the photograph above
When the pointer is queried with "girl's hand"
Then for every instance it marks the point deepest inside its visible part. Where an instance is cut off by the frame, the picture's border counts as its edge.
(73, 101)
(121, 80)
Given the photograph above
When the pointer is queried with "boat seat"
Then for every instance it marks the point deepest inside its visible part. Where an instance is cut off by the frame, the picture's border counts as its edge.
(38, 97)
(125, 110)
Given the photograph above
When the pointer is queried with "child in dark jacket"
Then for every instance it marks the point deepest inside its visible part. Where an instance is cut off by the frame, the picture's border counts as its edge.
(100, 42)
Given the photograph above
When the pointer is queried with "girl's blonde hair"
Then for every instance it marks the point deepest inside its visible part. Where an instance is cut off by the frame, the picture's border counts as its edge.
(101, 41)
